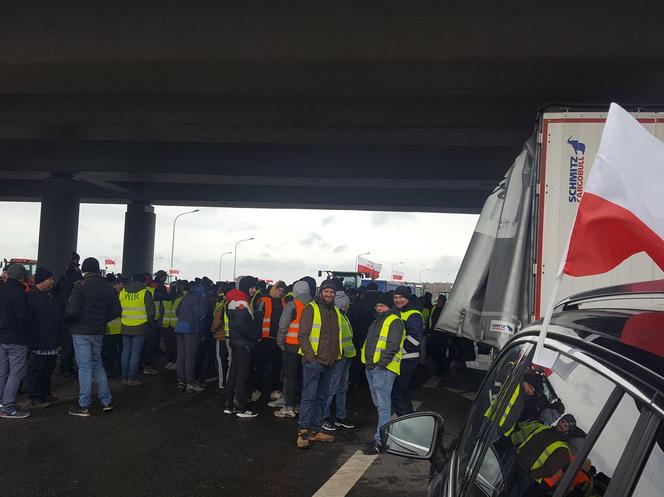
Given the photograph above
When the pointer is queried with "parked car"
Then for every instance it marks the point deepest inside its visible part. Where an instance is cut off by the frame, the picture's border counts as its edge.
(592, 425)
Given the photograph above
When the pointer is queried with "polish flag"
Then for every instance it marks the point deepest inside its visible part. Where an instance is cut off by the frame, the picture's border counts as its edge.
(621, 212)
(368, 267)
(397, 276)
(109, 262)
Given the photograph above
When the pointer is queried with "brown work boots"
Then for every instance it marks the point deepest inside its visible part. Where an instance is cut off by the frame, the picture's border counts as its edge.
(305, 437)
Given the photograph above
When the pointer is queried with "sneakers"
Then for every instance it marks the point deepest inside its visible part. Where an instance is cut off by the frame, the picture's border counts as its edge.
(280, 402)
(82, 412)
(133, 383)
(256, 395)
(182, 386)
(275, 394)
(108, 408)
(372, 449)
(345, 423)
(230, 410)
(246, 414)
(302, 440)
(13, 412)
(327, 426)
(321, 437)
(285, 412)
(170, 366)
(195, 387)
(150, 370)
(52, 400)
(39, 404)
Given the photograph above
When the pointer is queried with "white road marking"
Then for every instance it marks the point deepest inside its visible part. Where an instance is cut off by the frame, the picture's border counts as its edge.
(346, 476)
(469, 395)
(417, 404)
(432, 382)
(454, 390)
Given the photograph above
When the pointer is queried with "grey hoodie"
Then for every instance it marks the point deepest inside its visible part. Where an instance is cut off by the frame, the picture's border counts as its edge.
(301, 293)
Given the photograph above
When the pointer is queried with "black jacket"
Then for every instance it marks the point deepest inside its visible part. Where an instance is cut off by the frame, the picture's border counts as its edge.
(243, 330)
(14, 313)
(393, 345)
(92, 304)
(46, 326)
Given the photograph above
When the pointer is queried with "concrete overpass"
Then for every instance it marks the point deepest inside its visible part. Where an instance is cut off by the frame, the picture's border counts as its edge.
(389, 106)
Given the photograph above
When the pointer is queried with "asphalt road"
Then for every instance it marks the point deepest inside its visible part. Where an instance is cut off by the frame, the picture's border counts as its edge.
(159, 442)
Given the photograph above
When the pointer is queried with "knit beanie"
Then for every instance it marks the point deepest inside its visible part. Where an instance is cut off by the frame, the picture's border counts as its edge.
(328, 284)
(90, 265)
(384, 298)
(404, 291)
(247, 282)
(17, 272)
(42, 274)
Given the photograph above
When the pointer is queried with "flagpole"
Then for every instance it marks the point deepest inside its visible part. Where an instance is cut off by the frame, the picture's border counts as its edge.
(541, 357)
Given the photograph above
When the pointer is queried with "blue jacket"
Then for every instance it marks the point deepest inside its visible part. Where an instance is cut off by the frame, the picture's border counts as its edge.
(192, 311)
(414, 332)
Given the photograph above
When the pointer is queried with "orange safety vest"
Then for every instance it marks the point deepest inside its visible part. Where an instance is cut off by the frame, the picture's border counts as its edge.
(294, 328)
(267, 317)
(580, 478)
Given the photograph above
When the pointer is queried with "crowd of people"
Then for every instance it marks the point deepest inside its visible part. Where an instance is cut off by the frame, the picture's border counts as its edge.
(309, 344)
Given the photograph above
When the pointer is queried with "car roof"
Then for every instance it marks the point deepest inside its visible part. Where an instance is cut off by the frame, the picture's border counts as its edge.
(630, 340)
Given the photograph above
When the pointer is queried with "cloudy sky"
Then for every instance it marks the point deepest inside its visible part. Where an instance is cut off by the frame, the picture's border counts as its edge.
(289, 243)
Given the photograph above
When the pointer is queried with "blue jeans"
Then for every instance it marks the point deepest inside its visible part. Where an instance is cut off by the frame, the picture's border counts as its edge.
(132, 346)
(338, 390)
(315, 389)
(88, 357)
(380, 384)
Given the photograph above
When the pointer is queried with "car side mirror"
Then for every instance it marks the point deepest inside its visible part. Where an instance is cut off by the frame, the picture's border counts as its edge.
(413, 435)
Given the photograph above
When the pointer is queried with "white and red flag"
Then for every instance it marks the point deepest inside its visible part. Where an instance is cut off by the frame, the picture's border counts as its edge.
(397, 276)
(621, 212)
(109, 262)
(370, 268)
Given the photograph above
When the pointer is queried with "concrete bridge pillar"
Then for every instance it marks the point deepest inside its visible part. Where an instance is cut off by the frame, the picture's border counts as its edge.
(58, 225)
(138, 247)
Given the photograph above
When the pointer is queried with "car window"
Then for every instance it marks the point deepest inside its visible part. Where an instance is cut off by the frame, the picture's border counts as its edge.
(550, 413)
(651, 481)
(497, 386)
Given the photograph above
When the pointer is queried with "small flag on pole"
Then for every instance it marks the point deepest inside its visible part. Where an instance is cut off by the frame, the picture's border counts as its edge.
(109, 262)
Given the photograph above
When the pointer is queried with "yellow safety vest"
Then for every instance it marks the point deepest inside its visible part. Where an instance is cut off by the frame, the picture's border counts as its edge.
(404, 318)
(492, 415)
(535, 427)
(170, 319)
(114, 327)
(134, 312)
(346, 346)
(426, 313)
(381, 344)
(157, 304)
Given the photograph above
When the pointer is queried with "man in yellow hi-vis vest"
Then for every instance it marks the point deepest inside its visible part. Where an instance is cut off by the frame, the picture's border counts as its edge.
(321, 343)
(382, 352)
(138, 312)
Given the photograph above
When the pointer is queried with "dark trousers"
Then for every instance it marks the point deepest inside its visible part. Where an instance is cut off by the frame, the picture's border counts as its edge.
(38, 377)
(186, 360)
(292, 367)
(110, 354)
(267, 352)
(170, 344)
(151, 348)
(206, 364)
(222, 356)
(400, 390)
(238, 377)
(67, 352)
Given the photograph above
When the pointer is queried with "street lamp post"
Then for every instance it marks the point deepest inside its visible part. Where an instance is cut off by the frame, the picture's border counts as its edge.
(173, 240)
(235, 256)
(220, 258)
(357, 259)
(423, 271)
(393, 266)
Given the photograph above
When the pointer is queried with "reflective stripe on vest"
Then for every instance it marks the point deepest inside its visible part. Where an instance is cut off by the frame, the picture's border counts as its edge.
(170, 319)
(133, 307)
(346, 346)
(267, 317)
(381, 344)
(294, 328)
(114, 327)
(546, 453)
(507, 430)
(414, 341)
